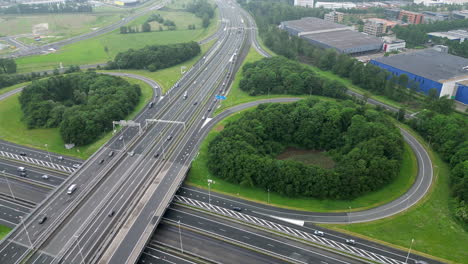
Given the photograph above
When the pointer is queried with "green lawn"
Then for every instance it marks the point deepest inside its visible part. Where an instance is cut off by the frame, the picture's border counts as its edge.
(199, 174)
(7, 89)
(308, 157)
(169, 76)
(17, 132)
(92, 51)
(430, 224)
(4, 230)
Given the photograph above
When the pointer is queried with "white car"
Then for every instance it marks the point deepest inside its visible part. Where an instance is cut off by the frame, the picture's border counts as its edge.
(45, 177)
(318, 233)
(131, 153)
(350, 241)
(76, 166)
(60, 158)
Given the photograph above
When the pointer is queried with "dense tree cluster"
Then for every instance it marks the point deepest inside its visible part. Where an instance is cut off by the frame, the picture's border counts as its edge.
(7, 66)
(12, 79)
(77, 6)
(82, 105)
(417, 34)
(203, 10)
(155, 57)
(365, 145)
(448, 135)
(279, 75)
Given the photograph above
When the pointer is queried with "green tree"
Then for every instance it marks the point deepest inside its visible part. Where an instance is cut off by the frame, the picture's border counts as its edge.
(146, 27)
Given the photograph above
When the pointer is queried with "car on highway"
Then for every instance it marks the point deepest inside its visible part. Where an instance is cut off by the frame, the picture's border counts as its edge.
(45, 177)
(195, 103)
(131, 153)
(318, 233)
(23, 173)
(71, 189)
(237, 209)
(350, 242)
(151, 104)
(209, 109)
(169, 137)
(76, 166)
(22, 153)
(121, 138)
(111, 153)
(21, 169)
(156, 155)
(101, 161)
(60, 158)
(111, 213)
(42, 219)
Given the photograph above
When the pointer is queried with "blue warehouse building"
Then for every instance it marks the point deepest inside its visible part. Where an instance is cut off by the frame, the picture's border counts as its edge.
(431, 68)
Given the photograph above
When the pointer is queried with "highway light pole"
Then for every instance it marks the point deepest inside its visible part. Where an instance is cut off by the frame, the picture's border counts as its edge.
(27, 234)
(349, 213)
(79, 249)
(180, 236)
(409, 251)
(8, 183)
(209, 191)
(48, 153)
(268, 195)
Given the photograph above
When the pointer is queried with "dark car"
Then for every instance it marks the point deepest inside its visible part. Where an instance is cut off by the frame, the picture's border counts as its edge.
(195, 103)
(111, 213)
(23, 153)
(156, 155)
(42, 219)
(101, 161)
(237, 209)
(22, 173)
(111, 154)
(209, 109)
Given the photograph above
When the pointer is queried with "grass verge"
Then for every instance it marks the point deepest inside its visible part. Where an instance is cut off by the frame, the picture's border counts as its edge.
(429, 223)
(4, 230)
(14, 130)
(199, 174)
(10, 88)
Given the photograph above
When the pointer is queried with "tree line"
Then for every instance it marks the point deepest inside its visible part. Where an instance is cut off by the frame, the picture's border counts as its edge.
(77, 6)
(448, 135)
(82, 105)
(7, 66)
(278, 75)
(155, 57)
(146, 26)
(203, 10)
(365, 145)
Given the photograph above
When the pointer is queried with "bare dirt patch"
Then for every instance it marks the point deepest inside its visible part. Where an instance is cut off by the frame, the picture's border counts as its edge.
(308, 157)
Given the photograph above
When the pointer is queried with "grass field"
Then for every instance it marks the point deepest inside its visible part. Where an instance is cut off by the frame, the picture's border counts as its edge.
(430, 224)
(60, 26)
(17, 132)
(308, 157)
(169, 76)
(199, 174)
(92, 51)
(4, 230)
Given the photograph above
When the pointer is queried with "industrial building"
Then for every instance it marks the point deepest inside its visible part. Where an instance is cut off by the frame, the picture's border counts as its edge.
(327, 34)
(393, 44)
(431, 68)
(334, 16)
(377, 26)
(430, 17)
(411, 17)
(460, 14)
(392, 13)
(126, 2)
(457, 35)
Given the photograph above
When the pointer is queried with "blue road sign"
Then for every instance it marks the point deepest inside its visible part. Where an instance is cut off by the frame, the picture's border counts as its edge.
(220, 97)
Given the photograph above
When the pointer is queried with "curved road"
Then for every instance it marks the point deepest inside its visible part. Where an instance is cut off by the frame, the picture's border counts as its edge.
(412, 196)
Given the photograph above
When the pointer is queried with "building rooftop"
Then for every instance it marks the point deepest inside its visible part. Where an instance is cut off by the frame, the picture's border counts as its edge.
(344, 39)
(428, 63)
(451, 35)
(310, 24)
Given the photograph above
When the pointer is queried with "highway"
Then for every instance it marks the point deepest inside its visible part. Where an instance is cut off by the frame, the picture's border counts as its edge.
(99, 184)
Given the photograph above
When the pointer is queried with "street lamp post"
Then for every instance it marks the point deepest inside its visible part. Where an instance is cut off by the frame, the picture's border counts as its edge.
(349, 213)
(26, 231)
(209, 190)
(8, 183)
(48, 153)
(180, 236)
(268, 195)
(409, 251)
(79, 249)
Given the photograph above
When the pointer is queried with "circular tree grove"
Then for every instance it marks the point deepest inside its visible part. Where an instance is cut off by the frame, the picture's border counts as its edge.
(365, 145)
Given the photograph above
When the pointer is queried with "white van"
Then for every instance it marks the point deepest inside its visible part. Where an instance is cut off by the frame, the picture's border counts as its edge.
(71, 189)
(21, 169)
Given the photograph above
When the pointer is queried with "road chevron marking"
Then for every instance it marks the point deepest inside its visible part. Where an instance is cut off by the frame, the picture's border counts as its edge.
(285, 229)
(37, 162)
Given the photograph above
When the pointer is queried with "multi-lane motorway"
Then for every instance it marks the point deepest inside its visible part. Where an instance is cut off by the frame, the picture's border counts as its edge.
(118, 204)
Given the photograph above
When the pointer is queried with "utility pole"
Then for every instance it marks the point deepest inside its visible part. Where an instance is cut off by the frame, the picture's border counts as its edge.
(79, 248)
(48, 153)
(409, 251)
(268, 195)
(180, 236)
(8, 183)
(209, 190)
(349, 213)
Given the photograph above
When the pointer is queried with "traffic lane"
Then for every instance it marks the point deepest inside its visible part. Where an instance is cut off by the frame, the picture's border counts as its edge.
(23, 191)
(153, 255)
(10, 93)
(10, 213)
(207, 247)
(16, 204)
(262, 240)
(33, 174)
(39, 154)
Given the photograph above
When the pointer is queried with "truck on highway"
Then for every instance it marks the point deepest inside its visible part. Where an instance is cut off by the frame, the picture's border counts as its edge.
(185, 95)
